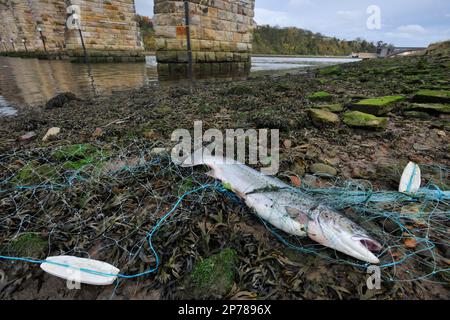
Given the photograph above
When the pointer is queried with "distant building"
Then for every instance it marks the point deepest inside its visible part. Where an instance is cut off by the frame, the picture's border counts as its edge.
(385, 51)
(364, 55)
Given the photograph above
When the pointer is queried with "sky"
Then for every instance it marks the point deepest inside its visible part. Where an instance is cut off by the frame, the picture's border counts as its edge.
(414, 23)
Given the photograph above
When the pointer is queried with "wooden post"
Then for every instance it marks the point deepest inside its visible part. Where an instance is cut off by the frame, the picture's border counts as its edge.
(188, 37)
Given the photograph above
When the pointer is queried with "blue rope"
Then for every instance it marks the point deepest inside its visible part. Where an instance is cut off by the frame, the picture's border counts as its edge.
(149, 237)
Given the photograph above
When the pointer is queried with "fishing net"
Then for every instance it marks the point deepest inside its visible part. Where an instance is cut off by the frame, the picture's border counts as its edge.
(101, 201)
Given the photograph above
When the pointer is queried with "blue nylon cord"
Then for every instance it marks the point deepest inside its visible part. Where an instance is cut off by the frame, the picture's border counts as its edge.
(149, 239)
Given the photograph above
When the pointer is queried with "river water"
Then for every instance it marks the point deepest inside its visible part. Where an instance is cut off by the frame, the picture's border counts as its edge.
(33, 82)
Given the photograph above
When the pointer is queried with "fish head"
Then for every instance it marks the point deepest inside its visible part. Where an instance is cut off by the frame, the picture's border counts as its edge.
(333, 230)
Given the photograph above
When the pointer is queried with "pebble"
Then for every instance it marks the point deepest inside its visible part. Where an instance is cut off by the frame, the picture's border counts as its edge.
(323, 169)
(51, 133)
(28, 136)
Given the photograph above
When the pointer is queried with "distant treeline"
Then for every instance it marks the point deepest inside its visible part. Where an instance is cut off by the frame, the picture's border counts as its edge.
(283, 41)
(295, 41)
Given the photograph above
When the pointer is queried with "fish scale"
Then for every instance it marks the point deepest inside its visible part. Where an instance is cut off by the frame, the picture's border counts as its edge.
(290, 211)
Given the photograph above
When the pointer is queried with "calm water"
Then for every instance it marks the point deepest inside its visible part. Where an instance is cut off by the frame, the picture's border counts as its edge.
(33, 82)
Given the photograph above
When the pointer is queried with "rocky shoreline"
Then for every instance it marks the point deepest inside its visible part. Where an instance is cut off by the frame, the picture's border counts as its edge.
(362, 121)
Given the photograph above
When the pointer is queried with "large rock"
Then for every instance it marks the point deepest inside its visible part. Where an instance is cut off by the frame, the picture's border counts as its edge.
(377, 106)
(363, 120)
(432, 96)
(60, 100)
(322, 118)
(323, 169)
(432, 108)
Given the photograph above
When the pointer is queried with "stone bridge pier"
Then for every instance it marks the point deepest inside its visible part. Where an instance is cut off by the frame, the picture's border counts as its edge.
(38, 28)
(220, 33)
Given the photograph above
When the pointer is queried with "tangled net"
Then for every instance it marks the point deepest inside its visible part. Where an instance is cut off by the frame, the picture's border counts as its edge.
(102, 202)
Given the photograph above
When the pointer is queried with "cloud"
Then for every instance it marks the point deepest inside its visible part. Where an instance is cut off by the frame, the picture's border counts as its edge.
(349, 14)
(412, 29)
(300, 3)
(272, 17)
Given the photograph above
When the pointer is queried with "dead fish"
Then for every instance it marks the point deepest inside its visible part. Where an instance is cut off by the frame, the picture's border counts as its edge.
(288, 210)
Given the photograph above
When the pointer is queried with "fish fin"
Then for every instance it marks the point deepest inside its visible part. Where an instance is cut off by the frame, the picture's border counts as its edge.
(296, 214)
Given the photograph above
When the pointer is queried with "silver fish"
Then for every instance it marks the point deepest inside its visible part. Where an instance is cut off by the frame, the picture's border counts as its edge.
(294, 213)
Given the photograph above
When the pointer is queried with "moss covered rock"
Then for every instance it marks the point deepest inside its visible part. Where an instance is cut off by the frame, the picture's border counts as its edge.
(212, 277)
(432, 96)
(363, 120)
(320, 96)
(377, 106)
(416, 114)
(323, 118)
(432, 108)
(330, 107)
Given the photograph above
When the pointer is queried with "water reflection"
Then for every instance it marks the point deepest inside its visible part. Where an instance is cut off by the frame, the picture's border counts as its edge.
(282, 63)
(32, 82)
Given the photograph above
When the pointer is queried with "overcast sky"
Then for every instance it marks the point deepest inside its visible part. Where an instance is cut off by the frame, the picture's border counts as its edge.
(403, 22)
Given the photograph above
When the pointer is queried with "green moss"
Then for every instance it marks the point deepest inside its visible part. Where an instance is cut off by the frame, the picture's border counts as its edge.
(78, 165)
(377, 106)
(72, 152)
(34, 173)
(320, 96)
(29, 245)
(433, 96)
(334, 70)
(381, 101)
(77, 156)
(213, 277)
(364, 120)
(322, 118)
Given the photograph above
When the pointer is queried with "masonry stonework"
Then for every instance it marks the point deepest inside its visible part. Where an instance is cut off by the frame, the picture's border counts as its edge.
(109, 29)
(220, 31)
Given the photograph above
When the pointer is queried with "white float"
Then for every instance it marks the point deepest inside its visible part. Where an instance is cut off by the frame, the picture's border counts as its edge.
(411, 179)
(57, 266)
